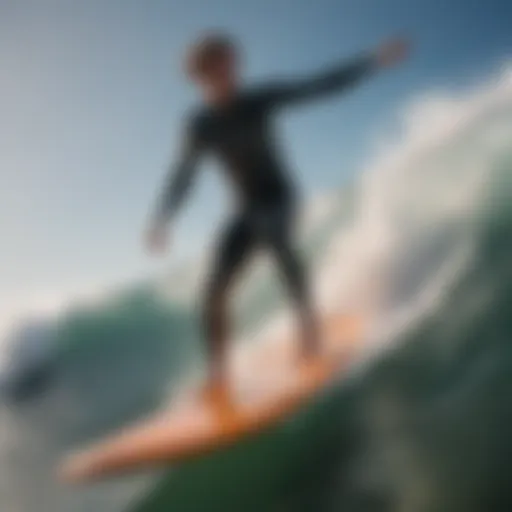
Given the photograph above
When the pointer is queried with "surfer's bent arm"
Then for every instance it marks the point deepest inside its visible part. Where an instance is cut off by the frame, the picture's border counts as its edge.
(179, 180)
(333, 80)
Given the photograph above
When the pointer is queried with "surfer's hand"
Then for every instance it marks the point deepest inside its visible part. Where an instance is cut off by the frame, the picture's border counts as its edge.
(392, 52)
(156, 239)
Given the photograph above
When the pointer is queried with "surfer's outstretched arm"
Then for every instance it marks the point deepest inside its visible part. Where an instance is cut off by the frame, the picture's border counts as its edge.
(335, 79)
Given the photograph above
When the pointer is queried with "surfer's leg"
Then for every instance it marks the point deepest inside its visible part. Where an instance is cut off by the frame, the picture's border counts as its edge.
(294, 275)
(235, 245)
(295, 278)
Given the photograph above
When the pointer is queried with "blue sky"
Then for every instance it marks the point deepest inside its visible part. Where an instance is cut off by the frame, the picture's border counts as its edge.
(92, 95)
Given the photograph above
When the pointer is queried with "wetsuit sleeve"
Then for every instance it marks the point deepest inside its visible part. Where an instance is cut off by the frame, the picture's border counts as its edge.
(333, 80)
(180, 177)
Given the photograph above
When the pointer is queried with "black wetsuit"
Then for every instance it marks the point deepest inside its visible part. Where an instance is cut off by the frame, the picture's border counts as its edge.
(240, 136)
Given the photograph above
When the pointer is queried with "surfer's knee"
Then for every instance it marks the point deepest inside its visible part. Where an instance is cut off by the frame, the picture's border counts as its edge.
(293, 270)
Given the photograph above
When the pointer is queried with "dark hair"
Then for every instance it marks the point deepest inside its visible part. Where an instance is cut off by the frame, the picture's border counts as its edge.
(207, 50)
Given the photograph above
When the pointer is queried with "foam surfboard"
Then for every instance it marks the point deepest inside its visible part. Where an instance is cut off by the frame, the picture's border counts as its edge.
(268, 383)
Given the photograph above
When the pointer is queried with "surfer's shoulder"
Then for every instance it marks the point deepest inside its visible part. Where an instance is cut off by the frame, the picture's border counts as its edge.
(262, 93)
(254, 91)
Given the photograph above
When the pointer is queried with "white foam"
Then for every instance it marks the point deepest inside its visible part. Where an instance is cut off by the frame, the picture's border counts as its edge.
(422, 187)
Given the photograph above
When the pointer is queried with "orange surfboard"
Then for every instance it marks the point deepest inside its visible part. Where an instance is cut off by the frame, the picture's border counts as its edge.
(267, 384)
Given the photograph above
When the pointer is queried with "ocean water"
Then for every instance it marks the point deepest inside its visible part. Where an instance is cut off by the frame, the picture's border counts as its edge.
(423, 240)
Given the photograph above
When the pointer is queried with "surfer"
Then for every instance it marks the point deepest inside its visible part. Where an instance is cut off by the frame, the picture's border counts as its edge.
(234, 125)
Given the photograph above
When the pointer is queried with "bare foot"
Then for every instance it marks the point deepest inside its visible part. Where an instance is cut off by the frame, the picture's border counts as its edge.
(310, 347)
(216, 392)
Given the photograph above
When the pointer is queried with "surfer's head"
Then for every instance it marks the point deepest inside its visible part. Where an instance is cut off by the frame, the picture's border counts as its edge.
(212, 63)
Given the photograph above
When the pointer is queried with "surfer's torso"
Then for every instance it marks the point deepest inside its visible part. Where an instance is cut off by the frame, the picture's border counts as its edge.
(241, 136)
